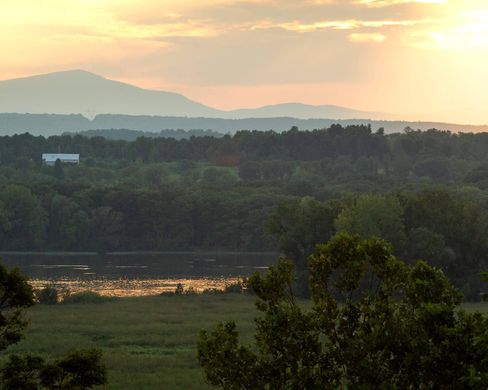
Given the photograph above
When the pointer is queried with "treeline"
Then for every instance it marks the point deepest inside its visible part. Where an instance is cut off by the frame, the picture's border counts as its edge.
(122, 219)
(132, 135)
(448, 228)
(356, 141)
(353, 150)
(423, 191)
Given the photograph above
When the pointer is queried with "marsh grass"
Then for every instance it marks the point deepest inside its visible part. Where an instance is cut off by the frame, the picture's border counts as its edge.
(148, 342)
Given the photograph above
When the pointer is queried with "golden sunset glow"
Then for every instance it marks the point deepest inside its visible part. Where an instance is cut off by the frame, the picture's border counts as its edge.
(358, 53)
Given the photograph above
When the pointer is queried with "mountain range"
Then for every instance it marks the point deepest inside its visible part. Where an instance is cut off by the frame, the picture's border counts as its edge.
(81, 92)
(78, 101)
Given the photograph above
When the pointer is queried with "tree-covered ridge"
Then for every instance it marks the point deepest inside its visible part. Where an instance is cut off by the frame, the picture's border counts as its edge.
(328, 153)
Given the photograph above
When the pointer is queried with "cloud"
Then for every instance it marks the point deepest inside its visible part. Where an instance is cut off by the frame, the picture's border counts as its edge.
(302, 27)
(367, 37)
(236, 45)
(388, 3)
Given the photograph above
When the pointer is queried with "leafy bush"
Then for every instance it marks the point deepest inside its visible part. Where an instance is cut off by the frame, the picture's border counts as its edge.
(190, 291)
(237, 287)
(179, 289)
(48, 295)
(86, 297)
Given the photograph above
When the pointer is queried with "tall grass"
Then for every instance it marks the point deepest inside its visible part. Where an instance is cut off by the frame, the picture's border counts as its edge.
(148, 342)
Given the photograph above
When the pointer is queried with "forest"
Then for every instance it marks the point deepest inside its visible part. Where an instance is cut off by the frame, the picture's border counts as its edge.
(425, 192)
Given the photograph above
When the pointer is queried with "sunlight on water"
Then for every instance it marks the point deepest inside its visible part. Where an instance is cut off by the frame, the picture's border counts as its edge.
(133, 287)
(134, 274)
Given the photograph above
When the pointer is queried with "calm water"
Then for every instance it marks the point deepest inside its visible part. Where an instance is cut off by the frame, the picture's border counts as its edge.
(136, 266)
(130, 274)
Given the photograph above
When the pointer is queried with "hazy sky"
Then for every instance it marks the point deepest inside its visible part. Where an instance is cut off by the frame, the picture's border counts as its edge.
(422, 59)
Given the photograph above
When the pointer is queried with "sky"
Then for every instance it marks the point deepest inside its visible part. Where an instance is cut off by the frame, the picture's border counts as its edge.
(419, 59)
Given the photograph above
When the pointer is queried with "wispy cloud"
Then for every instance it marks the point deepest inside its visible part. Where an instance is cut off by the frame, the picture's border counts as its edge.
(351, 24)
(367, 37)
(343, 46)
(388, 3)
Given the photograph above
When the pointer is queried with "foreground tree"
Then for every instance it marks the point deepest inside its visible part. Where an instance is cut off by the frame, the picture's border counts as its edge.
(15, 296)
(78, 370)
(375, 323)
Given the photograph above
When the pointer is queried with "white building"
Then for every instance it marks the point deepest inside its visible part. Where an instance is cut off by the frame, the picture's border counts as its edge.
(50, 158)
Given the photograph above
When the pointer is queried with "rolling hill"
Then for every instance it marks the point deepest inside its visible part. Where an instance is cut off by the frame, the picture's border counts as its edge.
(78, 101)
(81, 92)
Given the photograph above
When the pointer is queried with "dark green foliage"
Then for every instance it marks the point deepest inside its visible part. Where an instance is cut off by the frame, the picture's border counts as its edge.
(179, 289)
(15, 296)
(79, 370)
(48, 295)
(485, 278)
(374, 216)
(254, 191)
(58, 171)
(375, 323)
(237, 287)
(21, 372)
(132, 135)
(299, 225)
(24, 220)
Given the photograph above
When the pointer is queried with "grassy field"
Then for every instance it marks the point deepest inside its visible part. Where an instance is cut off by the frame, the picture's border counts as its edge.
(149, 342)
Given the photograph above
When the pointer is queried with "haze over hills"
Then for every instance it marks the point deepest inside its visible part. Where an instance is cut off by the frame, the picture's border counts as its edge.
(78, 101)
(51, 124)
(305, 111)
(81, 92)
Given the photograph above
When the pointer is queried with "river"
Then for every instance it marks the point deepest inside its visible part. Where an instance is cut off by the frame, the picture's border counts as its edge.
(137, 274)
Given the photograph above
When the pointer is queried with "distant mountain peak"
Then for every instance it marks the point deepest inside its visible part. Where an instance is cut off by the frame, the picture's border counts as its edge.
(77, 91)
(76, 73)
(64, 74)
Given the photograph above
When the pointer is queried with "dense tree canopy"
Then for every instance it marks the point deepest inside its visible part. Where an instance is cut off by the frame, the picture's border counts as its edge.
(255, 191)
(375, 323)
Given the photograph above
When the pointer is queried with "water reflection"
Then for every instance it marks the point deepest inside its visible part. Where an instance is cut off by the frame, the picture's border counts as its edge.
(134, 287)
(138, 274)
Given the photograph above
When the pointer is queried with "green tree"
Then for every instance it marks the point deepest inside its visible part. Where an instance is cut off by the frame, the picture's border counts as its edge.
(375, 323)
(4, 222)
(79, 370)
(15, 296)
(58, 171)
(299, 225)
(374, 216)
(26, 218)
(106, 226)
(463, 225)
(68, 224)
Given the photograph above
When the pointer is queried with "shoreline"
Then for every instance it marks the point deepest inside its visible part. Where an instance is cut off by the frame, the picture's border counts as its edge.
(125, 287)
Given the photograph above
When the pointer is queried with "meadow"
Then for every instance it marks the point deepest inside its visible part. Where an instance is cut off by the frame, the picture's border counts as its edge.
(147, 342)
